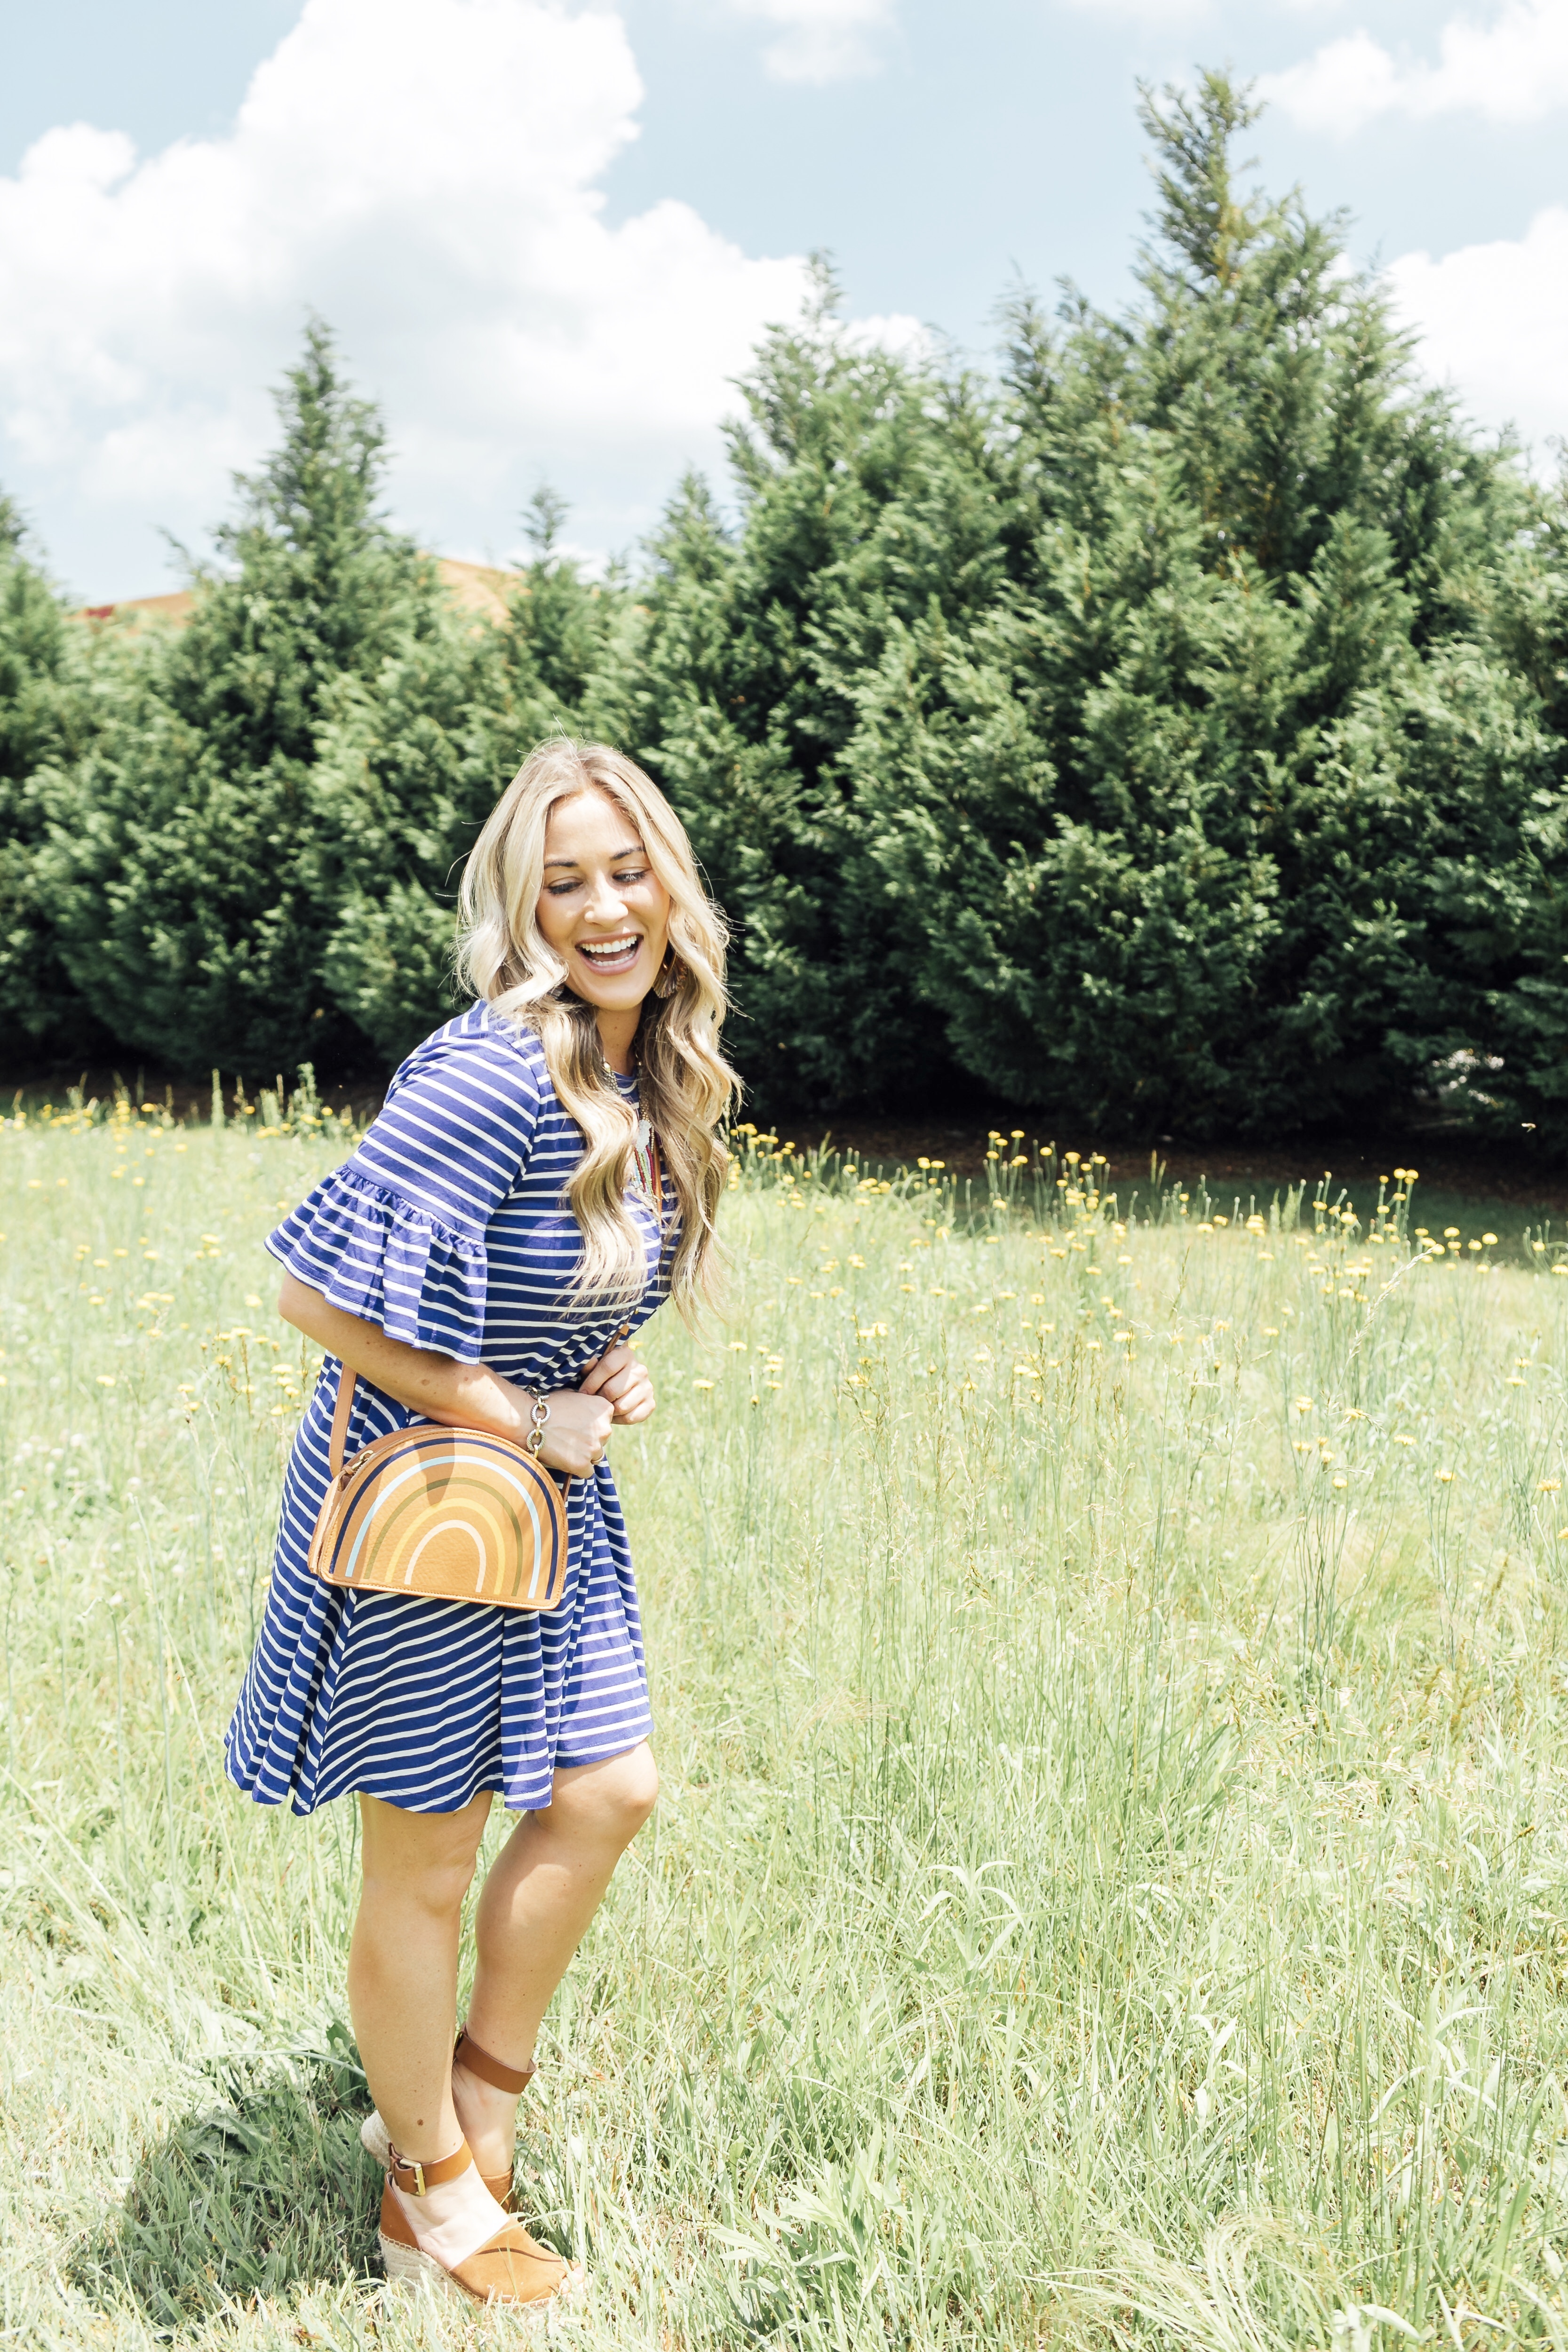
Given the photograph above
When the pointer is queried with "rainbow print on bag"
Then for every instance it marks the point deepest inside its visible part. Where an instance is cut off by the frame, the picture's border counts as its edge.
(452, 1514)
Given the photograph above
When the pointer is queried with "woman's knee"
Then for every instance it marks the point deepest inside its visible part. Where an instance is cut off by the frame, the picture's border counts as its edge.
(612, 1799)
(636, 1787)
(427, 1859)
(437, 1886)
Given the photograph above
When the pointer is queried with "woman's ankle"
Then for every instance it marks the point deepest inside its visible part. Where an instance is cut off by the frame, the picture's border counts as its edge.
(488, 2118)
(420, 2142)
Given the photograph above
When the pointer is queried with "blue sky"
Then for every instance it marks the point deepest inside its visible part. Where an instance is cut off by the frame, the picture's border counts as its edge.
(548, 235)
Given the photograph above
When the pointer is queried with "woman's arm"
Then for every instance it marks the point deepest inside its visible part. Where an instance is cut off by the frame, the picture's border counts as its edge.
(471, 1396)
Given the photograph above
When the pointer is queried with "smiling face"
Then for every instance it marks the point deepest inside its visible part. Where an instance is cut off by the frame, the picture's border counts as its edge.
(601, 905)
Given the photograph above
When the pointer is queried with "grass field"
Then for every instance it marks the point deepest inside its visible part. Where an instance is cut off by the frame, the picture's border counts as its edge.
(1109, 1882)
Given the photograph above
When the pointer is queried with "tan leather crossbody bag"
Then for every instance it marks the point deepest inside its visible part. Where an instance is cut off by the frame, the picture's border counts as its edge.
(454, 1514)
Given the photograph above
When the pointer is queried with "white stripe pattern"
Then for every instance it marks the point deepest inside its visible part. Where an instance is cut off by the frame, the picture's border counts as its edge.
(448, 1229)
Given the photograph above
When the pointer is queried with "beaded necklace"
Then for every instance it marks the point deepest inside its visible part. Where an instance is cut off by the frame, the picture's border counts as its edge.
(647, 1180)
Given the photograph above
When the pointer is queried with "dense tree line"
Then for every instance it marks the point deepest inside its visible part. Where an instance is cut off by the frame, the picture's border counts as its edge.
(1170, 730)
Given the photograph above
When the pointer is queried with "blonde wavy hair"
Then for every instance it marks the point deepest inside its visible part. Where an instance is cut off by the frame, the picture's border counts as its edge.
(685, 1087)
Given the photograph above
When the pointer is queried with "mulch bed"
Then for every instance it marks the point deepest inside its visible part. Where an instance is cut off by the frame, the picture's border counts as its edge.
(1448, 1160)
(1445, 1162)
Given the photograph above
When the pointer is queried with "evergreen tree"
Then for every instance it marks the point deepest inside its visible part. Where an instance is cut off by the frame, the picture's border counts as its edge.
(187, 856)
(1144, 738)
(870, 504)
(415, 758)
(1528, 1027)
(1250, 634)
(1173, 734)
(42, 723)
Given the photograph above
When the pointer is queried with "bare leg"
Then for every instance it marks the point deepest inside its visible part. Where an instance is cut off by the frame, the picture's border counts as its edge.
(545, 1887)
(403, 1966)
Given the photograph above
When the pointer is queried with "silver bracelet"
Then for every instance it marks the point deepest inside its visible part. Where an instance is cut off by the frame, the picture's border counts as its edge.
(537, 1418)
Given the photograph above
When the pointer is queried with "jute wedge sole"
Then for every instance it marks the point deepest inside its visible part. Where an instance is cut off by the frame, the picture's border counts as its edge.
(406, 2267)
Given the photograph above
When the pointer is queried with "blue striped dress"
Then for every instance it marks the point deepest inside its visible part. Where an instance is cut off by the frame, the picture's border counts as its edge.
(448, 1228)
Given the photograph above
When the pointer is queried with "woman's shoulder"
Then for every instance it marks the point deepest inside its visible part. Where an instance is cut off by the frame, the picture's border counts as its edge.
(478, 1052)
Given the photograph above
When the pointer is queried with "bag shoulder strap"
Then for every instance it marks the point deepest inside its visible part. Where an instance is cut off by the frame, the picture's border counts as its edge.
(347, 1383)
(342, 1411)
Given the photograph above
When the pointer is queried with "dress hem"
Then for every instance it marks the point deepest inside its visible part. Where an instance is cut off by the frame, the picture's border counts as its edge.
(290, 1796)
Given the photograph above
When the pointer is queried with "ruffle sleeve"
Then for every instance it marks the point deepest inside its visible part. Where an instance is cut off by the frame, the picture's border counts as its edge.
(396, 1235)
(376, 1256)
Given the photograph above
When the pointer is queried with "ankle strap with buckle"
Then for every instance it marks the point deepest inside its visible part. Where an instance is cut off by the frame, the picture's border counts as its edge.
(415, 2179)
(490, 2069)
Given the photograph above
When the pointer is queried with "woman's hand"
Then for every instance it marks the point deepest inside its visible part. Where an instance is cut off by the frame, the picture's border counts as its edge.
(623, 1378)
(616, 1389)
(573, 1436)
(471, 1396)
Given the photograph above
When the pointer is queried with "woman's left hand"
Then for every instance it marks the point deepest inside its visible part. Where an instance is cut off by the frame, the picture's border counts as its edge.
(622, 1379)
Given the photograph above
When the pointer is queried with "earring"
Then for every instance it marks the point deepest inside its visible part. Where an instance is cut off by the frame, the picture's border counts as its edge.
(671, 973)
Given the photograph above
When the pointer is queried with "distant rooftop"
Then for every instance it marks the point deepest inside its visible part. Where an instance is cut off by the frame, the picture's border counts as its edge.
(481, 588)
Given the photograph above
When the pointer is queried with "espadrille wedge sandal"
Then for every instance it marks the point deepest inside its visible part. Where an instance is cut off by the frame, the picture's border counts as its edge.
(453, 2251)
(376, 2141)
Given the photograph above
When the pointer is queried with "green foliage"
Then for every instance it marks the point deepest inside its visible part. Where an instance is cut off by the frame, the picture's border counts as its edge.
(411, 762)
(249, 857)
(872, 509)
(187, 845)
(1253, 635)
(42, 723)
(1149, 733)
(1171, 732)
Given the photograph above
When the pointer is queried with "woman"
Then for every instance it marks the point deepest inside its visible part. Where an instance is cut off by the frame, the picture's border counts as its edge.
(499, 1234)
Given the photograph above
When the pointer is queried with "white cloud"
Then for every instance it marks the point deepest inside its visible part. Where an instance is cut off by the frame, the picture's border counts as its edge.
(424, 174)
(1513, 69)
(1494, 324)
(1340, 90)
(1148, 12)
(1154, 15)
(822, 40)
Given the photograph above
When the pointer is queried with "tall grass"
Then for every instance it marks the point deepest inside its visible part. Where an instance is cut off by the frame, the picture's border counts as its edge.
(1110, 1663)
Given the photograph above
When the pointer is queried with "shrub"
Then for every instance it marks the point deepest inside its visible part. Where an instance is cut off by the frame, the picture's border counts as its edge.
(43, 725)
(1170, 733)
(185, 850)
(1147, 737)
(412, 761)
